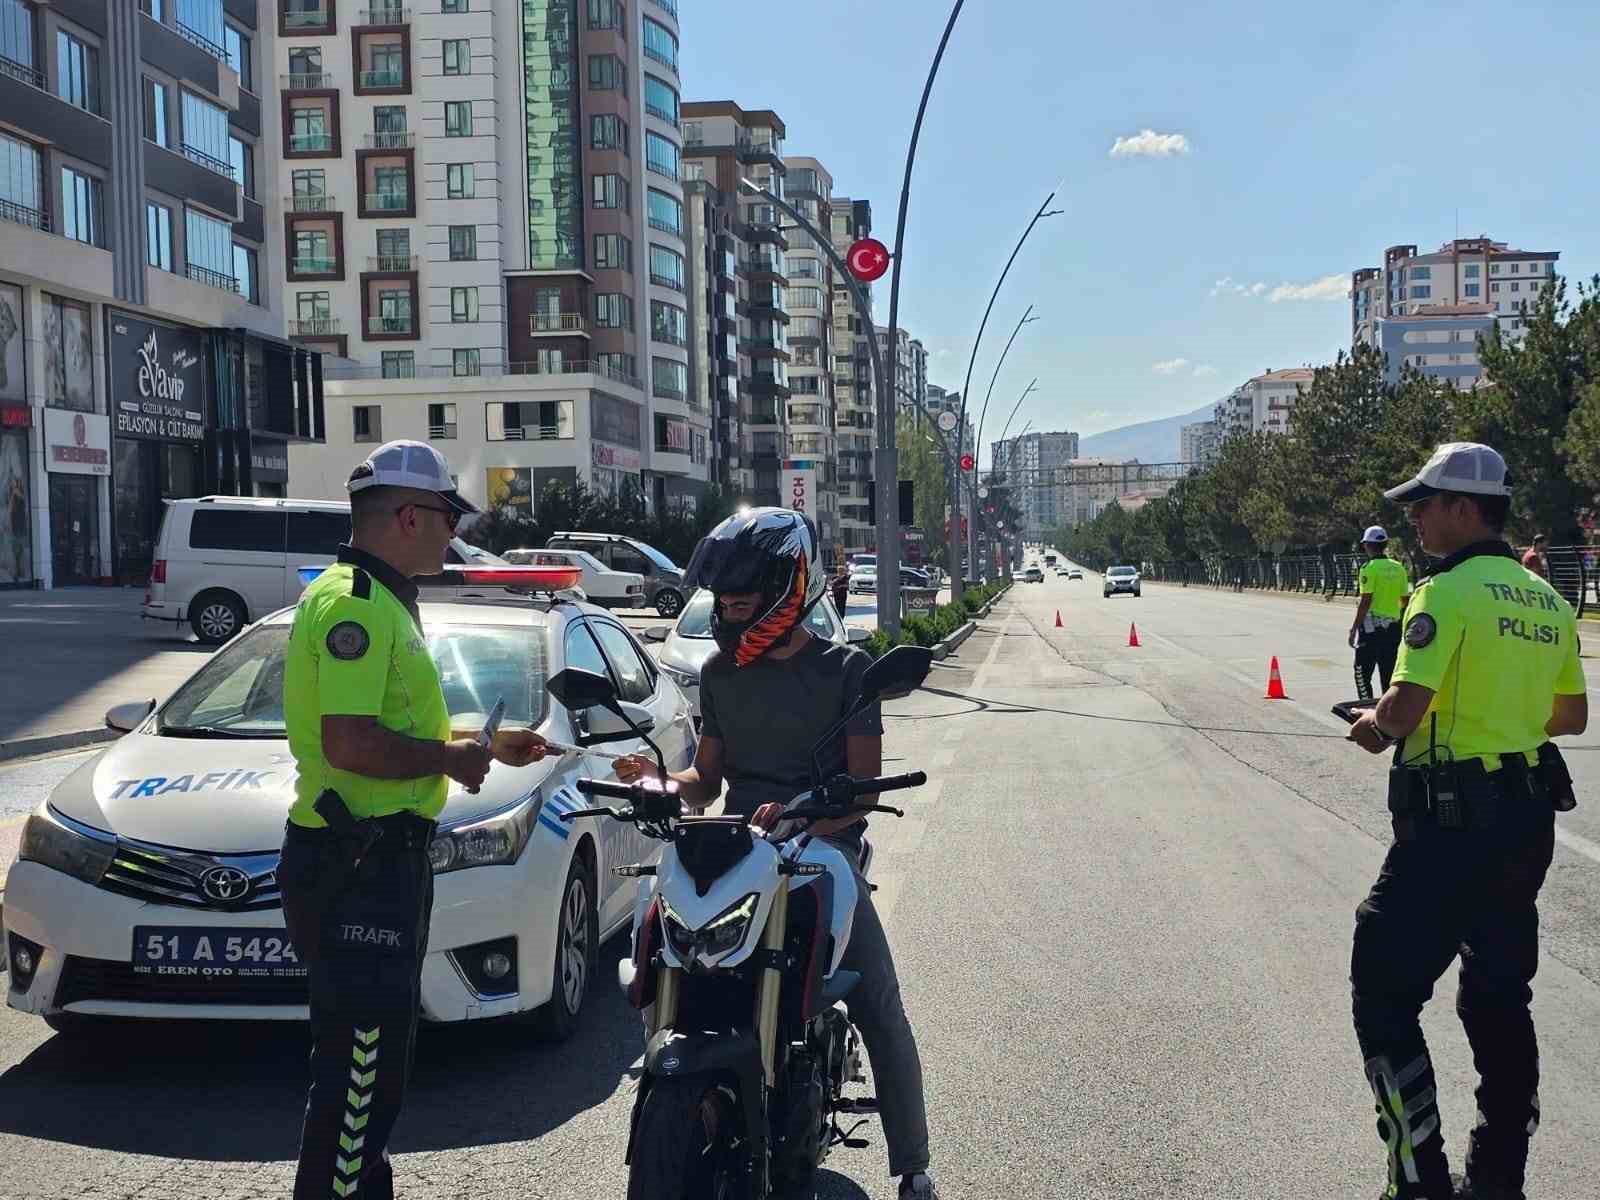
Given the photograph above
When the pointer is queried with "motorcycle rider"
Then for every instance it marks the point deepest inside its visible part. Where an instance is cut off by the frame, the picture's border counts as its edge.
(767, 694)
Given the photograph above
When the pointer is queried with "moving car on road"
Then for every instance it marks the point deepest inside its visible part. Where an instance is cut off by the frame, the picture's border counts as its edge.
(1073, 573)
(864, 579)
(1032, 575)
(1121, 579)
(602, 585)
(145, 885)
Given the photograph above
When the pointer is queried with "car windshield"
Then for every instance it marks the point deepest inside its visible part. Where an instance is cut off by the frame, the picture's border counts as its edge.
(696, 619)
(654, 555)
(1122, 572)
(239, 693)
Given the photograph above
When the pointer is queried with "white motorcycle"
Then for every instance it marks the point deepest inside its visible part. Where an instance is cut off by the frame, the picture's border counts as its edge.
(736, 952)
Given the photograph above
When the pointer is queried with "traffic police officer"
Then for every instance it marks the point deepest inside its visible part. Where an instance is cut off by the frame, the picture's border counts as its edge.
(1375, 633)
(372, 744)
(1488, 672)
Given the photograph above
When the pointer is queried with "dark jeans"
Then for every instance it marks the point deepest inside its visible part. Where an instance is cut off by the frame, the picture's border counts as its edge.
(1376, 649)
(363, 934)
(1441, 894)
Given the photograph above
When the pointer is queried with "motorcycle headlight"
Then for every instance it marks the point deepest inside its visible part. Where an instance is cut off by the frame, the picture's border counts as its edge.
(723, 933)
(65, 845)
(488, 841)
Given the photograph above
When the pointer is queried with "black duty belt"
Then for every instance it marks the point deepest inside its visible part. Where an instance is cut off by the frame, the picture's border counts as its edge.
(1467, 796)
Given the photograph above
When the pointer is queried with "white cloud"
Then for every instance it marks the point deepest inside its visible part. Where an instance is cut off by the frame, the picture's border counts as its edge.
(1204, 371)
(1329, 287)
(1257, 288)
(1169, 366)
(1234, 288)
(1150, 144)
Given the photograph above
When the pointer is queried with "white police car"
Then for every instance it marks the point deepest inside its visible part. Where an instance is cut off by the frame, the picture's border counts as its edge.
(145, 885)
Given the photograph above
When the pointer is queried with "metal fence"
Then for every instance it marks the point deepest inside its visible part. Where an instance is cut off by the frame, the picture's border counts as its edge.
(1573, 570)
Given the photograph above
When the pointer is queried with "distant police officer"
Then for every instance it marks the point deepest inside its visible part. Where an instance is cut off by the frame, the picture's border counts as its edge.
(1375, 633)
(371, 739)
(1488, 672)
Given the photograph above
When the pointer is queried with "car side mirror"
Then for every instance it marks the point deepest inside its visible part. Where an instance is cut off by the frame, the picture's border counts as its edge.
(125, 718)
(855, 635)
(578, 689)
(898, 673)
(657, 633)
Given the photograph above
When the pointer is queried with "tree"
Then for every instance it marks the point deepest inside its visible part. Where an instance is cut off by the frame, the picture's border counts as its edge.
(922, 462)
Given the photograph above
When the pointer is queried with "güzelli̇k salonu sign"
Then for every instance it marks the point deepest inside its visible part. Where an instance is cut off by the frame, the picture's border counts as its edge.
(157, 381)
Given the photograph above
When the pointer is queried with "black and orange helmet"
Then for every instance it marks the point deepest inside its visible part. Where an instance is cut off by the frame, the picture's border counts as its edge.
(772, 551)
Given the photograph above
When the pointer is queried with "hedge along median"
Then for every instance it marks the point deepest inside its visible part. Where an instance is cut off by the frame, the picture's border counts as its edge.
(933, 628)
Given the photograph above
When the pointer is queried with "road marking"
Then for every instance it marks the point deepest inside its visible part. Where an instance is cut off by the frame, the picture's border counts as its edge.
(1578, 844)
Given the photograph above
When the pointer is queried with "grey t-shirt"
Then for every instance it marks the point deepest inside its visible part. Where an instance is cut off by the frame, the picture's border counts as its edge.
(769, 714)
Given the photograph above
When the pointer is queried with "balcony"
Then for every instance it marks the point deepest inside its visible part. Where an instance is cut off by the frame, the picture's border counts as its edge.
(382, 78)
(22, 215)
(655, 55)
(670, 7)
(309, 202)
(312, 327)
(305, 81)
(380, 14)
(666, 281)
(307, 18)
(760, 232)
(312, 265)
(666, 226)
(766, 150)
(21, 72)
(400, 325)
(542, 323)
(665, 391)
(386, 202)
(210, 278)
(391, 262)
(389, 139)
(311, 143)
(196, 38)
(225, 169)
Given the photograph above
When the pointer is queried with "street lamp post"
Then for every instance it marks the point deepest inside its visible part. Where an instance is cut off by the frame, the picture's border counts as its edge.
(984, 411)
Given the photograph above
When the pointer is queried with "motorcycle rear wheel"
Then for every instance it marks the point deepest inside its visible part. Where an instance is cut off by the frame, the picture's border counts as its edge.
(683, 1148)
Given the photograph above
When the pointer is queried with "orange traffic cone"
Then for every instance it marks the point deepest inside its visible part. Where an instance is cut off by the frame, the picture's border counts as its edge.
(1058, 618)
(1133, 634)
(1275, 683)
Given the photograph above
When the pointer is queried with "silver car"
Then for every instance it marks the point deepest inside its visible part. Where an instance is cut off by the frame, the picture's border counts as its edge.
(687, 645)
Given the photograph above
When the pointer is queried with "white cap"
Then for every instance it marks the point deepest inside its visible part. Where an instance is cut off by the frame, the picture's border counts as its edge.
(1375, 534)
(1456, 467)
(409, 464)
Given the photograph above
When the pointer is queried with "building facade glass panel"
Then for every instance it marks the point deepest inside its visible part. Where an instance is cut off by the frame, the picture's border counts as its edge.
(550, 117)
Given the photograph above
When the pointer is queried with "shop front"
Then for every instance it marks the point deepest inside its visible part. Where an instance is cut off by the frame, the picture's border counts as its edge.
(156, 377)
(269, 465)
(16, 420)
(77, 456)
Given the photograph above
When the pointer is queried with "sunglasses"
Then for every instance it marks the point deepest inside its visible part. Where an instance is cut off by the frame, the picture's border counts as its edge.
(451, 517)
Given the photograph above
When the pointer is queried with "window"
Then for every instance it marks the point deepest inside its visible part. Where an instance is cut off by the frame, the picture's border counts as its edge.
(1516, 268)
(308, 129)
(208, 247)
(606, 73)
(441, 420)
(318, 532)
(666, 268)
(158, 235)
(1471, 270)
(459, 181)
(246, 273)
(78, 72)
(610, 191)
(457, 56)
(1421, 292)
(669, 379)
(394, 189)
(660, 155)
(463, 243)
(660, 45)
(618, 366)
(1421, 273)
(458, 118)
(660, 100)
(368, 422)
(669, 323)
(636, 683)
(1470, 289)
(452, 6)
(666, 212)
(81, 208)
(21, 183)
(399, 364)
(802, 297)
(1516, 286)
(463, 304)
(242, 158)
(531, 420)
(1494, 287)
(313, 306)
(155, 112)
(237, 47)
(1494, 268)
(386, 65)
(608, 132)
(205, 132)
(606, 14)
(466, 362)
(236, 529)
(394, 249)
(201, 22)
(313, 252)
(613, 310)
(307, 183)
(17, 36)
(612, 252)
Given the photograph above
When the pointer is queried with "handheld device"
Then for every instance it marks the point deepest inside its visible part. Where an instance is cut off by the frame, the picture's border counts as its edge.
(1349, 711)
(492, 725)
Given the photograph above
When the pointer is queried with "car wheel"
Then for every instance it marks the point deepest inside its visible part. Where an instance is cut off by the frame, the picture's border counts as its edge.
(577, 953)
(669, 603)
(216, 616)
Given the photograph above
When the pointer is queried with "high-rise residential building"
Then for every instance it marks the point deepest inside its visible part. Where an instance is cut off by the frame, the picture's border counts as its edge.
(1465, 271)
(486, 224)
(813, 439)
(1262, 404)
(940, 401)
(1042, 501)
(141, 314)
(724, 144)
(715, 251)
(1198, 442)
(911, 370)
(1439, 340)
(854, 387)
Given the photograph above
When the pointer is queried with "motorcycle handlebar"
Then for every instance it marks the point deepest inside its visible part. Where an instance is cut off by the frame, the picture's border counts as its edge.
(617, 791)
(889, 783)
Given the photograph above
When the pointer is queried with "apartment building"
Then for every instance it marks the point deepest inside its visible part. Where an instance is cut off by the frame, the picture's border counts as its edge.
(485, 224)
(911, 373)
(1439, 340)
(1198, 442)
(724, 144)
(1263, 403)
(1044, 503)
(854, 387)
(141, 313)
(1464, 271)
(715, 252)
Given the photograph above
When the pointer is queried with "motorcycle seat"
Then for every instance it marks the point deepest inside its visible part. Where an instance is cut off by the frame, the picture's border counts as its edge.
(839, 985)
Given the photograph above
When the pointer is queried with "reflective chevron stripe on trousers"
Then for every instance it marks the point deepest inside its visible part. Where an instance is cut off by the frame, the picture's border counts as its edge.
(365, 934)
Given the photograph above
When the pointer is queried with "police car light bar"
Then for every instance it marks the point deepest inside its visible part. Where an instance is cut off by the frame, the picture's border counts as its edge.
(540, 579)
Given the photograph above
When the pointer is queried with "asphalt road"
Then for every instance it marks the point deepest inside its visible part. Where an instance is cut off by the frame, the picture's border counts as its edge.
(1123, 941)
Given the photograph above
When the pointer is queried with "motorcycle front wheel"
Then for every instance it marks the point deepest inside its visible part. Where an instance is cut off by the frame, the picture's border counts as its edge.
(688, 1145)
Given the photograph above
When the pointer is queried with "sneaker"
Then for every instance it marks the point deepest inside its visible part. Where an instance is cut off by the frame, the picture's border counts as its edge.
(918, 1187)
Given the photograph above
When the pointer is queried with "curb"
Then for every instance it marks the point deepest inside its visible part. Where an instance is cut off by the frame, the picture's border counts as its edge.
(46, 744)
(949, 646)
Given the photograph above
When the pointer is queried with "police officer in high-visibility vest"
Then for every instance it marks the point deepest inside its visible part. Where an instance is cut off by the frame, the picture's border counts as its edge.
(1488, 673)
(1384, 588)
(373, 747)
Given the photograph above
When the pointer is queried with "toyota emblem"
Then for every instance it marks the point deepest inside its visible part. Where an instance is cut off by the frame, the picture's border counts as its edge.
(225, 884)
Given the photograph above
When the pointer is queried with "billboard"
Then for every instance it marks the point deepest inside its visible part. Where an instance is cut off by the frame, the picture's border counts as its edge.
(511, 489)
(799, 490)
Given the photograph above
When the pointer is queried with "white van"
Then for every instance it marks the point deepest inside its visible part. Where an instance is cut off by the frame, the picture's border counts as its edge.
(222, 562)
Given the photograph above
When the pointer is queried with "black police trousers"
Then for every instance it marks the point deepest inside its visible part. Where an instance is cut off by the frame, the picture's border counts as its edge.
(1376, 649)
(362, 934)
(1443, 893)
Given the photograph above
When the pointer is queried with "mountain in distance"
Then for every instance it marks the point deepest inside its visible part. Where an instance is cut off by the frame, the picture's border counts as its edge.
(1148, 441)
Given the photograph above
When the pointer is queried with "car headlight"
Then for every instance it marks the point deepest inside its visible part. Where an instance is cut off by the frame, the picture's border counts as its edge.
(724, 932)
(62, 844)
(681, 677)
(487, 841)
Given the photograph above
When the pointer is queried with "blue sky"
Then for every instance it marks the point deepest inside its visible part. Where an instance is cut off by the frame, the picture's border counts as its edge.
(1312, 137)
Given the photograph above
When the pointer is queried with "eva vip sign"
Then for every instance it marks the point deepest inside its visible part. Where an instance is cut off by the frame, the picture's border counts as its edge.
(158, 381)
(801, 491)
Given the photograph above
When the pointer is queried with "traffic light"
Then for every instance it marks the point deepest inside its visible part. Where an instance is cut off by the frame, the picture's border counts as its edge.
(907, 507)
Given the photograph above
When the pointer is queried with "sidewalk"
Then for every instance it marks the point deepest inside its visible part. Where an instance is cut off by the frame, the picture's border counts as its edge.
(72, 653)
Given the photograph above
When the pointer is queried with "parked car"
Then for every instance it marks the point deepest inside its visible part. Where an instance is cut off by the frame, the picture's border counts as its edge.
(864, 579)
(224, 561)
(686, 645)
(602, 585)
(145, 883)
(663, 578)
(1121, 579)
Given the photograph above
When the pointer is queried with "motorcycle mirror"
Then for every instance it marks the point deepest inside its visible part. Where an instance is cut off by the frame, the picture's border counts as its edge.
(898, 673)
(578, 689)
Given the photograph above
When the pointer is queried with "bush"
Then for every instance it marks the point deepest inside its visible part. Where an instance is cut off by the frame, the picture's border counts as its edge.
(918, 631)
(878, 644)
